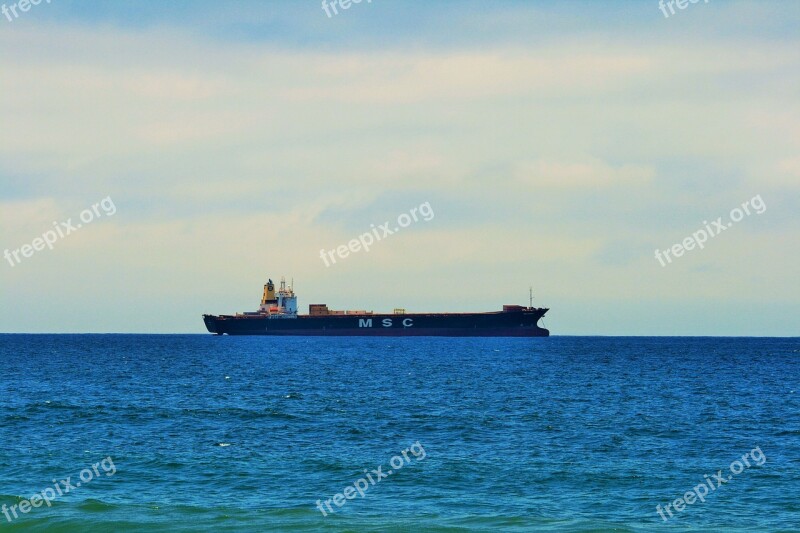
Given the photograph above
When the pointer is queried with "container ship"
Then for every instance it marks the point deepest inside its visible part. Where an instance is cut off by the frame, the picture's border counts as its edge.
(277, 315)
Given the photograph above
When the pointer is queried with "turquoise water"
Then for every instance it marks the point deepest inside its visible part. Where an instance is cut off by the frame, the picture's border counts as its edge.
(246, 434)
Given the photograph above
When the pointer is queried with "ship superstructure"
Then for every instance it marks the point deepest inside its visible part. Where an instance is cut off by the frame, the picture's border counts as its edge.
(282, 304)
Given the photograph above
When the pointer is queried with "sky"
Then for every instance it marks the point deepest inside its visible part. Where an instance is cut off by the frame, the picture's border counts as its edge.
(557, 144)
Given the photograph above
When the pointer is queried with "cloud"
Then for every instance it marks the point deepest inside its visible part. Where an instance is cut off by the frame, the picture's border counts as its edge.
(591, 174)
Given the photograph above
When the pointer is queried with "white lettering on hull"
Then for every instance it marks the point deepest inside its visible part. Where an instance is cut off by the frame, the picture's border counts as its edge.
(386, 322)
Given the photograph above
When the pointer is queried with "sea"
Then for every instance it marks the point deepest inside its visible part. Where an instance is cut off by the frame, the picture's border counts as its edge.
(107, 433)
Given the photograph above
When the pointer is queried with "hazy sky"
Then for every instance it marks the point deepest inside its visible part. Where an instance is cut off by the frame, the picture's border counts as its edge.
(559, 144)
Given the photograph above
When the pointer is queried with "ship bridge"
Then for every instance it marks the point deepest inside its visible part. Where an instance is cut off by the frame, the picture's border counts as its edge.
(280, 304)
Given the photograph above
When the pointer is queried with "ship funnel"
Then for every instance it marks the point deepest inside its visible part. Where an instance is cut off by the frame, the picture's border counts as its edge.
(269, 294)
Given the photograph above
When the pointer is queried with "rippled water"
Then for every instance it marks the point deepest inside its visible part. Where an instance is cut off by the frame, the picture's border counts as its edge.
(246, 434)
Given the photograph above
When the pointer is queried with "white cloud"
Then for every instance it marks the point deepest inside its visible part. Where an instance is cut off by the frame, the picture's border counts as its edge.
(222, 158)
(592, 173)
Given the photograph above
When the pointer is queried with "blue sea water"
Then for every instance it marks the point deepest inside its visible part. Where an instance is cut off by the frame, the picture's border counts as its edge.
(246, 434)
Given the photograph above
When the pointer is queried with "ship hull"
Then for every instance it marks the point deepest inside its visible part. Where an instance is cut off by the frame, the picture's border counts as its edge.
(523, 323)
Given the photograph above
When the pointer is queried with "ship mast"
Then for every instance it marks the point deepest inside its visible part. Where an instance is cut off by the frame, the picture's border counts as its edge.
(530, 296)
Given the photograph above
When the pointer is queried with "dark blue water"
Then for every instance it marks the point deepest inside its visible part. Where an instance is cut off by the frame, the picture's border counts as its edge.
(246, 434)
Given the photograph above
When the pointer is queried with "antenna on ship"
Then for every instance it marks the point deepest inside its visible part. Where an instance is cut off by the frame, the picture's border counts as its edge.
(530, 296)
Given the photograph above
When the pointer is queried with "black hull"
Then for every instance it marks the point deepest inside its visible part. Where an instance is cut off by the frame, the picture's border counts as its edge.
(522, 323)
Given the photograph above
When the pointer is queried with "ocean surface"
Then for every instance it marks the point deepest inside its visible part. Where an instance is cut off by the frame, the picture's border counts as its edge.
(206, 433)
